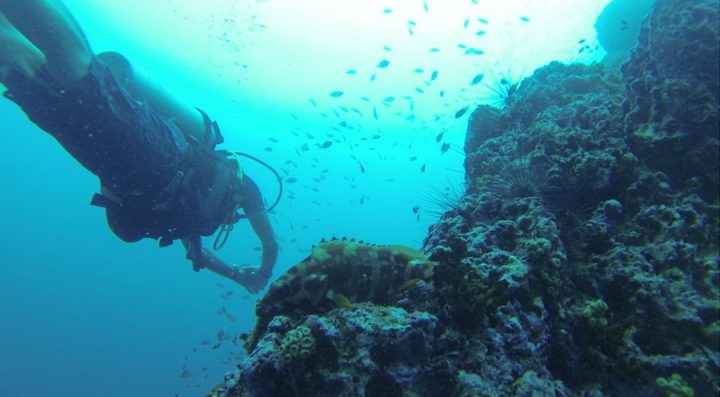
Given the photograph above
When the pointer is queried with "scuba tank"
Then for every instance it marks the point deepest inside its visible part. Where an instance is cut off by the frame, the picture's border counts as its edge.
(140, 86)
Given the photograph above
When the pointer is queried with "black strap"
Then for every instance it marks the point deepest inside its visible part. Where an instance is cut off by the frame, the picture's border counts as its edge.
(99, 200)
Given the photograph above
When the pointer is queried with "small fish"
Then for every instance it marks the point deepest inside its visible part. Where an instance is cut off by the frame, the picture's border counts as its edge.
(439, 137)
(434, 75)
(483, 20)
(434, 49)
(525, 19)
(185, 374)
(387, 11)
(413, 158)
(418, 70)
(474, 51)
(204, 342)
(422, 168)
(351, 71)
(217, 346)
(326, 144)
(362, 168)
(412, 23)
(291, 180)
(383, 64)
(466, 23)
(480, 33)
(416, 209)
(477, 79)
(444, 148)
(221, 334)
(342, 301)
(461, 112)
(425, 6)
(408, 284)
(336, 94)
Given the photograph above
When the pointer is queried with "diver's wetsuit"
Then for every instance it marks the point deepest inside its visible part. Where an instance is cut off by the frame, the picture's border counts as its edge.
(156, 181)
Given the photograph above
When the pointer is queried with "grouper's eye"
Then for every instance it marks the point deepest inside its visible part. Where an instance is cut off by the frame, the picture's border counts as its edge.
(281, 292)
(264, 310)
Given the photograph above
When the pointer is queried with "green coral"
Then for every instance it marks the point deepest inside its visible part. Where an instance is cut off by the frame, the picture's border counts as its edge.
(674, 386)
(297, 345)
(594, 313)
(513, 271)
(467, 292)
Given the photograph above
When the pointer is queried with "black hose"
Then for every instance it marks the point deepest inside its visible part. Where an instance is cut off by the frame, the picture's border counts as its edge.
(277, 175)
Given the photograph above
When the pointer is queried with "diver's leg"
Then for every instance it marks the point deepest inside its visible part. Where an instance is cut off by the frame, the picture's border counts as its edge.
(50, 26)
(53, 30)
(17, 52)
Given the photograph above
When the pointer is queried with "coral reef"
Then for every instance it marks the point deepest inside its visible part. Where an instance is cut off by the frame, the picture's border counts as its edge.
(337, 273)
(582, 260)
(367, 350)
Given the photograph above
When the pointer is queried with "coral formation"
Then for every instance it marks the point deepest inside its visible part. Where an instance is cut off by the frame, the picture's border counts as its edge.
(675, 386)
(337, 273)
(297, 345)
(593, 272)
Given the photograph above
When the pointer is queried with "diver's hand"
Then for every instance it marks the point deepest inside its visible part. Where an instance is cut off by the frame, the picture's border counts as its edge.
(251, 278)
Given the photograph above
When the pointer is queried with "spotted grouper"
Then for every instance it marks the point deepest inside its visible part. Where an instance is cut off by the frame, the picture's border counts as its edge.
(338, 272)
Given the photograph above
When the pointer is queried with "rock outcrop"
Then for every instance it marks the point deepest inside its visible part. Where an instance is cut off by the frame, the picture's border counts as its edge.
(582, 260)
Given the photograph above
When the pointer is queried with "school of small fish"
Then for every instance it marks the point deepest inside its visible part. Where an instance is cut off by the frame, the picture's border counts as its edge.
(354, 116)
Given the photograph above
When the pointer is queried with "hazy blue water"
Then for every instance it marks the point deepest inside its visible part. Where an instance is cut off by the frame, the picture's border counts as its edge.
(84, 314)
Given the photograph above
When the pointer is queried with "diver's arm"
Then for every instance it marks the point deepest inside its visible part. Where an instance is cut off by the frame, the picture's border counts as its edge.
(202, 258)
(258, 217)
(263, 229)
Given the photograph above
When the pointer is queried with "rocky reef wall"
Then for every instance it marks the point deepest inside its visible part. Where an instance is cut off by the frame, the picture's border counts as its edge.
(582, 260)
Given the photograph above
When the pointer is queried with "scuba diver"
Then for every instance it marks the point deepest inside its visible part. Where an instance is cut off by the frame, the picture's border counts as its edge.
(160, 175)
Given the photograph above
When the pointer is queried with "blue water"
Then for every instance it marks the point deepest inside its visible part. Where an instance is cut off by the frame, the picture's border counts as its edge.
(84, 314)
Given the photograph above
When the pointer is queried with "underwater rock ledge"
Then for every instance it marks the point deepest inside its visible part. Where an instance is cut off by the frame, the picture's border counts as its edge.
(582, 260)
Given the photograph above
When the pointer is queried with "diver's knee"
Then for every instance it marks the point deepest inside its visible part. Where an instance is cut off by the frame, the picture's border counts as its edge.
(70, 68)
